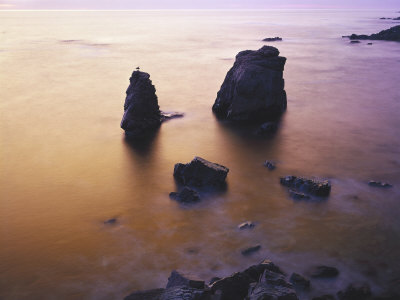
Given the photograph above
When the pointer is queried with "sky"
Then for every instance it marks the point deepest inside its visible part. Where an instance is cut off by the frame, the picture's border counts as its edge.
(197, 4)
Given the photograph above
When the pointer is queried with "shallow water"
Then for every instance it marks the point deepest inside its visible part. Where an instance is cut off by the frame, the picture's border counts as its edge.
(66, 167)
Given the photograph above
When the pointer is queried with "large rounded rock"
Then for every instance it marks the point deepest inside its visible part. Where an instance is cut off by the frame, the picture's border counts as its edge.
(253, 89)
(141, 111)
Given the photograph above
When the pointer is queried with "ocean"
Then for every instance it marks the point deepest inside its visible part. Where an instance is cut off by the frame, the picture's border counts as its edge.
(66, 166)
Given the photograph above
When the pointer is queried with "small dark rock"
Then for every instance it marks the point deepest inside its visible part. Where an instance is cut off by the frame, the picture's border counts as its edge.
(111, 221)
(251, 250)
(266, 128)
(165, 116)
(246, 225)
(355, 292)
(274, 39)
(324, 297)
(298, 196)
(187, 195)
(179, 279)
(299, 281)
(201, 172)
(379, 184)
(369, 44)
(396, 19)
(270, 165)
(310, 186)
(323, 272)
(355, 42)
(146, 295)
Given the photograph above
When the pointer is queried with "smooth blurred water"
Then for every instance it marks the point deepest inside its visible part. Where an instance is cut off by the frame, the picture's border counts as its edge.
(66, 167)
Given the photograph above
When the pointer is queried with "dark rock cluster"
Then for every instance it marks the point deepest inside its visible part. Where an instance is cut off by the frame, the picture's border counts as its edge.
(309, 186)
(391, 34)
(273, 39)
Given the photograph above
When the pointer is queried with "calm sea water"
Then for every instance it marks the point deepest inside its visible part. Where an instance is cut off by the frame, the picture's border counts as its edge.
(65, 166)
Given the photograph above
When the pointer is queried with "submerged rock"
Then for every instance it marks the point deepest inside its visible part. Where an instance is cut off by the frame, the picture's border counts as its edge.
(310, 186)
(379, 184)
(253, 89)
(246, 225)
(110, 221)
(270, 165)
(141, 111)
(274, 39)
(323, 272)
(391, 34)
(355, 292)
(200, 172)
(355, 42)
(251, 250)
(187, 195)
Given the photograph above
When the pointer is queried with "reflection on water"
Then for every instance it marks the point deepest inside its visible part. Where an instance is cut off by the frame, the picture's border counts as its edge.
(66, 166)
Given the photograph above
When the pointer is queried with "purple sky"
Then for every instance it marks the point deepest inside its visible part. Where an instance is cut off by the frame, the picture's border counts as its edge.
(192, 4)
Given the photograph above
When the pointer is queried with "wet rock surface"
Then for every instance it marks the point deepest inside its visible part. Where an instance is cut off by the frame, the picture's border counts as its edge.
(187, 195)
(309, 186)
(391, 34)
(200, 172)
(267, 128)
(298, 196)
(253, 89)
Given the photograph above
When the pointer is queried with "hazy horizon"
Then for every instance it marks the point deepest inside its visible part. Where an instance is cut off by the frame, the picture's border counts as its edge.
(181, 4)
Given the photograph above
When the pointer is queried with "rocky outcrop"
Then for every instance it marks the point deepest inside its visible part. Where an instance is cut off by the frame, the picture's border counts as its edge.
(141, 111)
(187, 195)
(253, 89)
(309, 186)
(200, 172)
(146, 295)
(142, 114)
(391, 34)
(274, 39)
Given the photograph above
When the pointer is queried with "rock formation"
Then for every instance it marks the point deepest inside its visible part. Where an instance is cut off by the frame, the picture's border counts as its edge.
(309, 186)
(142, 114)
(253, 89)
(200, 172)
(391, 34)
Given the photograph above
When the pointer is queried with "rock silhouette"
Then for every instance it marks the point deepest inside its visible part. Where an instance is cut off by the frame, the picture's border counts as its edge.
(253, 89)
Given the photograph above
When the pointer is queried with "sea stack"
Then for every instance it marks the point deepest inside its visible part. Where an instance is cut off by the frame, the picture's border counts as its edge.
(253, 89)
(141, 111)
